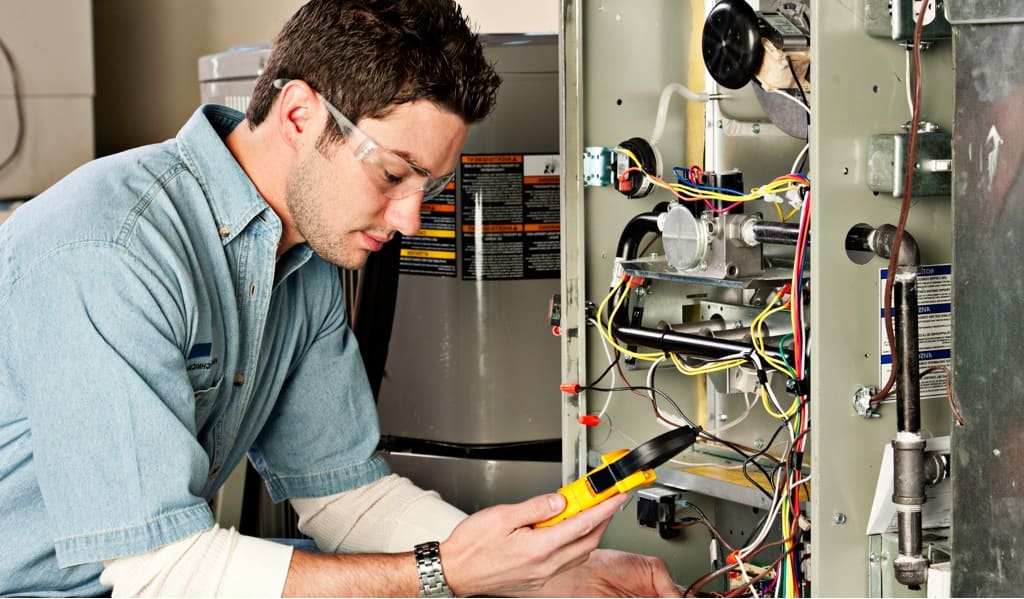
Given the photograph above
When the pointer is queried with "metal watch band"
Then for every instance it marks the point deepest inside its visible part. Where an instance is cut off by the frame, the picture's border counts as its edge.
(428, 565)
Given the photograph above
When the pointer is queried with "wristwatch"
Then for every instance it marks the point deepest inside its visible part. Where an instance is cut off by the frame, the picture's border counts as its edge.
(428, 564)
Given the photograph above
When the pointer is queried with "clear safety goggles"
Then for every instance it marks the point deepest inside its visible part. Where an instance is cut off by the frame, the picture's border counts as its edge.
(395, 176)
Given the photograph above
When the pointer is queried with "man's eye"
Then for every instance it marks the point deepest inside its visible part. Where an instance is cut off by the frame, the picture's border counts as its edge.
(391, 178)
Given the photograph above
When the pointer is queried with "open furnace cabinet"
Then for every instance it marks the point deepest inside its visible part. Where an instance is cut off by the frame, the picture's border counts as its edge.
(753, 308)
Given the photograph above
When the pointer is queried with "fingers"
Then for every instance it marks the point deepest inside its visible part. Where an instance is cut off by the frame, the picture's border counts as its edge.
(503, 535)
(541, 507)
(588, 520)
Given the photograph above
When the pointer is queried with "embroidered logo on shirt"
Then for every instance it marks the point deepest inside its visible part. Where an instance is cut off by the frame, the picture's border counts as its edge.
(201, 351)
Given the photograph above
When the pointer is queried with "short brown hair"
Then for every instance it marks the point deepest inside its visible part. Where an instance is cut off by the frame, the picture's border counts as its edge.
(365, 56)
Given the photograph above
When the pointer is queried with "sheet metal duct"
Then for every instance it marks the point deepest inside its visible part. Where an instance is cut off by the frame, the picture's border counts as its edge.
(988, 214)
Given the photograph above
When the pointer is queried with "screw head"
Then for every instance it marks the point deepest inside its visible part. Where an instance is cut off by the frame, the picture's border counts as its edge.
(839, 518)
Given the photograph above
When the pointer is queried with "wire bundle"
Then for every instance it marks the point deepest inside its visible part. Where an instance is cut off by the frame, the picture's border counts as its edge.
(783, 577)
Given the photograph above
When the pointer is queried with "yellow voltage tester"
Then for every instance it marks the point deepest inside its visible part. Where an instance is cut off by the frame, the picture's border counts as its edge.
(622, 471)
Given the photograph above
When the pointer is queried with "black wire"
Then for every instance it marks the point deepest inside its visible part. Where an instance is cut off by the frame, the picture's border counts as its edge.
(608, 368)
(715, 533)
(704, 433)
(19, 136)
(752, 459)
(659, 392)
(799, 88)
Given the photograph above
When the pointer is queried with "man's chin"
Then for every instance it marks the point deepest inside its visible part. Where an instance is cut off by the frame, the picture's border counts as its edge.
(349, 259)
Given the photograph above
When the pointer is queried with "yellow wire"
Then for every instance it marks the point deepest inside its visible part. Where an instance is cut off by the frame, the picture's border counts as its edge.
(771, 412)
(707, 369)
(652, 356)
(607, 333)
(757, 338)
(686, 192)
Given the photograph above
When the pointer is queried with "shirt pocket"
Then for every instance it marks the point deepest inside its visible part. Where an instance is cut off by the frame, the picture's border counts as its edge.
(205, 398)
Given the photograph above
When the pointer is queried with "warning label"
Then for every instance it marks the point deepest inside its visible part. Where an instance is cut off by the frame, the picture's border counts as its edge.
(432, 250)
(934, 327)
(510, 216)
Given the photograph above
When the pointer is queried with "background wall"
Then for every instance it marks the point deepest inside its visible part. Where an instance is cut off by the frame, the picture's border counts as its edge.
(146, 54)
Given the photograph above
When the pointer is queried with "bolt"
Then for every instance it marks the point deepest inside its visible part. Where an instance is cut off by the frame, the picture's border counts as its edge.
(719, 123)
(756, 128)
(758, 443)
(723, 417)
(873, 558)
(839, 518)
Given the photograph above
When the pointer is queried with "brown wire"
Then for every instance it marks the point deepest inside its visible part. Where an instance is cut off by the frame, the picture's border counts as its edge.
(908, 180)
(951, 397)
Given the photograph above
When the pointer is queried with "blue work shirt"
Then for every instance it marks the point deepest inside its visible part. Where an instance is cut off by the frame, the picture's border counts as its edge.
(149, 338)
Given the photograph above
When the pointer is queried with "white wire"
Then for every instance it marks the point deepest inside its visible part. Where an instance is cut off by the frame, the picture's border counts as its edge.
(793, 99)
(799, 158)
(775, 403)
(666, 96)
(746, 577)
(769, 522)
(608, 354)
(773, 512)
(906, 79)
(746, 412)
(666, 420)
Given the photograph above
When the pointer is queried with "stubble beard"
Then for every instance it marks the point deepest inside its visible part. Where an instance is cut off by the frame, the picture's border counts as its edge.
(306, 208)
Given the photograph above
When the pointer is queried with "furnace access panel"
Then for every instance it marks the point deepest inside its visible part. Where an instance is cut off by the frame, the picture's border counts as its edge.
(737, 223)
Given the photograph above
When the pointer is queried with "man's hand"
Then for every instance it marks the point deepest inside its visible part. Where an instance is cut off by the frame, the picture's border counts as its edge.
(611, 573)
(497, 552)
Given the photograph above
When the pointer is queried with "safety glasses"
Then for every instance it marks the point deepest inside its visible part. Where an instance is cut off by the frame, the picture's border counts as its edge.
(395, 176)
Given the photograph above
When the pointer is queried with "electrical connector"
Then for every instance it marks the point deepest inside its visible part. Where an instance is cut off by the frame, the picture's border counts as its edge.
(571, 388)
(656, 508)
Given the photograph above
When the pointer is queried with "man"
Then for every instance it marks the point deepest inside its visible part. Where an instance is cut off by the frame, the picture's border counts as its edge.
(169, 309)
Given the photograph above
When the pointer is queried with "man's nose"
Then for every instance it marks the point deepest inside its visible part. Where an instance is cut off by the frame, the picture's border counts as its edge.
(403, 214)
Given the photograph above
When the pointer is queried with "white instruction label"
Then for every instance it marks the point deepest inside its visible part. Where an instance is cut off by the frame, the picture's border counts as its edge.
(934, 327)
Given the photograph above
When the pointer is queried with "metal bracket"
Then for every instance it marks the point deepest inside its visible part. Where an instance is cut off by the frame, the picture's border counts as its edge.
(887, 163)
(597, 166)
(862, 403)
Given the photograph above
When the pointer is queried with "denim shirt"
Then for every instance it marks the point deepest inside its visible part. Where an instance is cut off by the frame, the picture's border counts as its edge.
(149, 338)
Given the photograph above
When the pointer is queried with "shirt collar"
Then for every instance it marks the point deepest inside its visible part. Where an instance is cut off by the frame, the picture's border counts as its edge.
(233, 198)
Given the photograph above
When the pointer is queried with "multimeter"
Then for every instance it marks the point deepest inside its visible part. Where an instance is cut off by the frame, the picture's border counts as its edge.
(621, 471)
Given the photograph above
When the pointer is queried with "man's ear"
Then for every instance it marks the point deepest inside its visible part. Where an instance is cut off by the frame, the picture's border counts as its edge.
(297, 113)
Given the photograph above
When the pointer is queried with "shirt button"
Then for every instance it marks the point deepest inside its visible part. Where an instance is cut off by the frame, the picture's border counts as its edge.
(224, 231)
(239, 379)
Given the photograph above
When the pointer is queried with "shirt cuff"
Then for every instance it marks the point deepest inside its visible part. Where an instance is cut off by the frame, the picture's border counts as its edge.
(214, 563)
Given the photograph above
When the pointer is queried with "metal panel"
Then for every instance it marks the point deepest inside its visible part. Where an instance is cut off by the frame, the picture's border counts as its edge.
(963, 12)
(472, 485)
(627, 52)
(988, 453)
(860, 92)
(475, 361)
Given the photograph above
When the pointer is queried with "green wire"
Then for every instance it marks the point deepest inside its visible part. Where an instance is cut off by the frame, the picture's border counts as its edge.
(782, 352)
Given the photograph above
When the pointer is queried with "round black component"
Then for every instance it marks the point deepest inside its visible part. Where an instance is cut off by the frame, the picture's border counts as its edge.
(655, 452)
(637, 185)
(731, 43)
